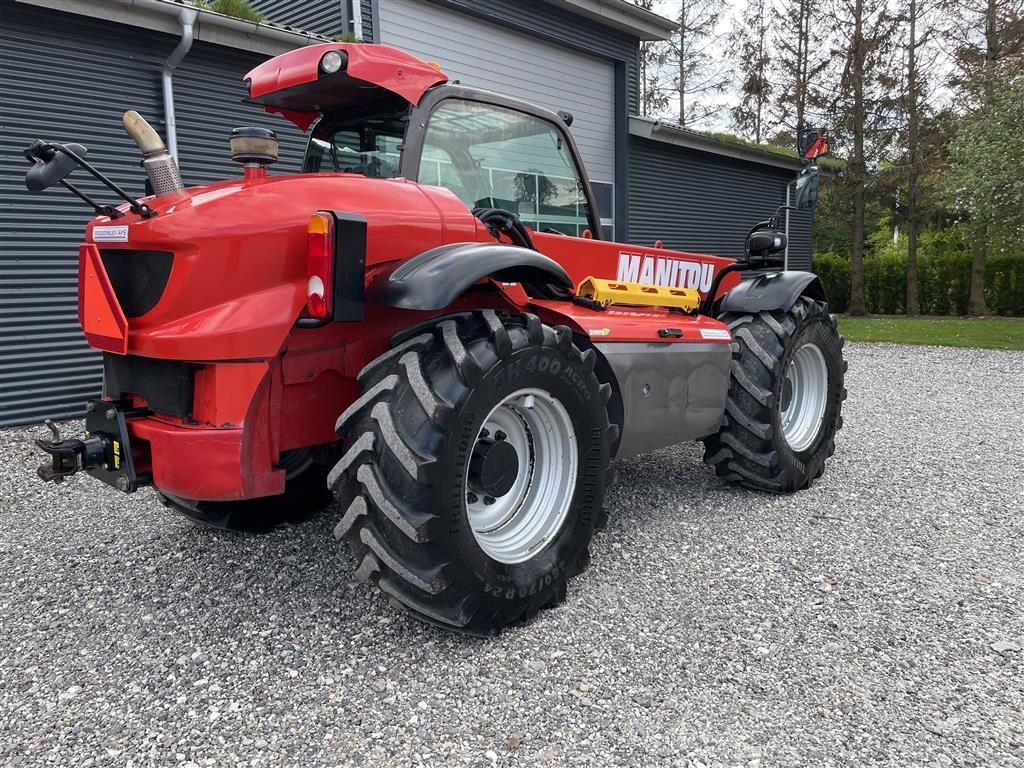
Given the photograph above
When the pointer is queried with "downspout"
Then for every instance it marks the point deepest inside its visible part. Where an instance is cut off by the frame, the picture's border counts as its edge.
(357, 19)
(187, 18)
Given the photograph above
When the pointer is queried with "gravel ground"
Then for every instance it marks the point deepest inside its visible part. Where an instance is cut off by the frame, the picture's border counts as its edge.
(873, 620)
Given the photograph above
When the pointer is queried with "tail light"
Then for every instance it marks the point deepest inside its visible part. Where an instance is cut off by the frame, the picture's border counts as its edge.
(319, 265)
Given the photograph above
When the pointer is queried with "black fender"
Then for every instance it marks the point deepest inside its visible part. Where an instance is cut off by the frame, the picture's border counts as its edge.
(772, 290)
(435, 278)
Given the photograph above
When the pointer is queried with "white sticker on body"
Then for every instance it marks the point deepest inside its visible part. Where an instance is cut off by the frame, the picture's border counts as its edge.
(715, 333)
(117, 234)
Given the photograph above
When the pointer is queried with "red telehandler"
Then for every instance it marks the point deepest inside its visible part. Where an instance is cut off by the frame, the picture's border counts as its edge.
(425, 324)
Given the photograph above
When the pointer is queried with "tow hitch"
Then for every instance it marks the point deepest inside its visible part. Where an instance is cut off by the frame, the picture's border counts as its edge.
(104, 451)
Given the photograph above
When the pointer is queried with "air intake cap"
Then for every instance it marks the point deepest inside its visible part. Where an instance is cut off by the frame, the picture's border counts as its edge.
(253, 145)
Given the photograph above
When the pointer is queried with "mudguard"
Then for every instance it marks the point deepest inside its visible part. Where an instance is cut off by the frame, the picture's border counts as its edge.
(773, 290)
(435, 278)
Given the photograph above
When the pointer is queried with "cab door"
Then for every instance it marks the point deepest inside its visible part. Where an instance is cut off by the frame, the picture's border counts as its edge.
(494, 152)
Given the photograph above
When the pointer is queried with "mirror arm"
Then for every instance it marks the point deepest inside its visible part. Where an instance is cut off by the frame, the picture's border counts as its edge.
(136, 207)
(44, 152)
(767, 223)
(99, 208)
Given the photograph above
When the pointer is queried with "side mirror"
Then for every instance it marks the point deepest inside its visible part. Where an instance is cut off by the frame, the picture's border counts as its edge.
(806, 198)
(49, 166)
(812, 143)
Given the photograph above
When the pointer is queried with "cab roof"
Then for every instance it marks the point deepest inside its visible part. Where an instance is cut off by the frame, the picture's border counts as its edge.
(294, 85)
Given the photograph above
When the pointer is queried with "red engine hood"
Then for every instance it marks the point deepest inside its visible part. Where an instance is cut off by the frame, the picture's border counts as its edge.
(238, 276)
(293, 85)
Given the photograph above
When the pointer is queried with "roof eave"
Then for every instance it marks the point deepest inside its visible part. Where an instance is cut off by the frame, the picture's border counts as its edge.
(210, 27)
(623, 16)
(646, 128)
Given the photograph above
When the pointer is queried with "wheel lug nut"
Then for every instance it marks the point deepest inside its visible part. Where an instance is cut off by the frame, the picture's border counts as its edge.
(484, 433)
(488, 499)
(499, 435)
(472, 498)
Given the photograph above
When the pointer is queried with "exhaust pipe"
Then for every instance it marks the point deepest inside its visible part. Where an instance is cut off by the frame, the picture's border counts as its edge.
(158, 162)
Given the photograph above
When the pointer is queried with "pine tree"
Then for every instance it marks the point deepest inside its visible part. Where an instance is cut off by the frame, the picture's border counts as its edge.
(654, 91)
(801, 55)
(914, 108)
(863, 109)
(750, 55)
(697, 75)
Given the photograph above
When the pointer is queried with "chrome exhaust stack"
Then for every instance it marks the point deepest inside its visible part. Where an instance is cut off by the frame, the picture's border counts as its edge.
(158, 162)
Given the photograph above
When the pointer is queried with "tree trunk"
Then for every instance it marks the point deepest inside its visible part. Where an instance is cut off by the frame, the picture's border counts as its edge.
(913, 303)
(803, 66)
(643, 79)
(857, 166)
(913, 138)
(682, 65)
(976, 300)
(760, 72)
(857, 306)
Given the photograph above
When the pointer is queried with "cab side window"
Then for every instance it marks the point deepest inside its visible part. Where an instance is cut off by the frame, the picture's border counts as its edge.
(494, 157)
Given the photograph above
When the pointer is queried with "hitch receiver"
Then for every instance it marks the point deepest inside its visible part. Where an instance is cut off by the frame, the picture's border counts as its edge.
(104, 451)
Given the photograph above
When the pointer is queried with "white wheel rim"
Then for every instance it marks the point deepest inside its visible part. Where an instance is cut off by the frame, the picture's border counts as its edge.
(804, 397)
(515, 526)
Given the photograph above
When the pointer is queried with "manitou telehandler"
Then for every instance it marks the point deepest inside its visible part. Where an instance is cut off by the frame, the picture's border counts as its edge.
(426, 324)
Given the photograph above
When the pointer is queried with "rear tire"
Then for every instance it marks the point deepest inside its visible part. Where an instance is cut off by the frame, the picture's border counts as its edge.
(432, 438)
(785, 398)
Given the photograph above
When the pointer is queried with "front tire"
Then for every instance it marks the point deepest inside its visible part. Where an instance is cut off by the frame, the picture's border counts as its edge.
(475, 469)
(785, 398)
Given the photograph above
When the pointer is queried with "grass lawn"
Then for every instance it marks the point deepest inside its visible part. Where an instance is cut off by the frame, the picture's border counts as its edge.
(987, 332)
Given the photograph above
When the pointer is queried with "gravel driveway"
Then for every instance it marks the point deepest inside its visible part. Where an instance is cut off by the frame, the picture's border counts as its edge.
(873, 620)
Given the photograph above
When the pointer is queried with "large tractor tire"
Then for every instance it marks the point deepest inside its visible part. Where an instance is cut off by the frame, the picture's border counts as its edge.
(305, 493)
(475, 469)
(785, 398)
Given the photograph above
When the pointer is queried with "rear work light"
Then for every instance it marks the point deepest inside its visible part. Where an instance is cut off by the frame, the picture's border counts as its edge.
(320, 265)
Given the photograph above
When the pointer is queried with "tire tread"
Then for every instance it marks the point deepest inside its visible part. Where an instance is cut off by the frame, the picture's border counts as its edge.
(745, 449)
(397, 545)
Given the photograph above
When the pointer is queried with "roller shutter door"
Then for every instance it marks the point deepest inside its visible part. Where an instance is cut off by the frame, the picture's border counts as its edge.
(69, 78)
(485, 55)
(62, 87)
(695, 201)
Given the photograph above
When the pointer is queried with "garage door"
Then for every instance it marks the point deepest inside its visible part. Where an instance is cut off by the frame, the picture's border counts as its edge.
(486, 56)
(67, 78)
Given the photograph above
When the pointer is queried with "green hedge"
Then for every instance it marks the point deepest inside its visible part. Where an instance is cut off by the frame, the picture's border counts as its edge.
(885, 283)
(834, 272)
(1004, 284)
(943, 272)
(944, 279)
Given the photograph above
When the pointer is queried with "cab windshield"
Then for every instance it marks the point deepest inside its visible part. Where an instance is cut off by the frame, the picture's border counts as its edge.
(367, 144)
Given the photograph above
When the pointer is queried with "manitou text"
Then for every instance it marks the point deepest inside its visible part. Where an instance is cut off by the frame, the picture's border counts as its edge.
(658, 270)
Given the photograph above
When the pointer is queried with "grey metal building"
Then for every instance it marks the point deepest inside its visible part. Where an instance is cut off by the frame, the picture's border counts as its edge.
(70, 68)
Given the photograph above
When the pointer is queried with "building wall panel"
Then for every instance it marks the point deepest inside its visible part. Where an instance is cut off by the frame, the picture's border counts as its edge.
(488, 55)
(70, 79)
(697, 201)
(542, 20)
(323, 16)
